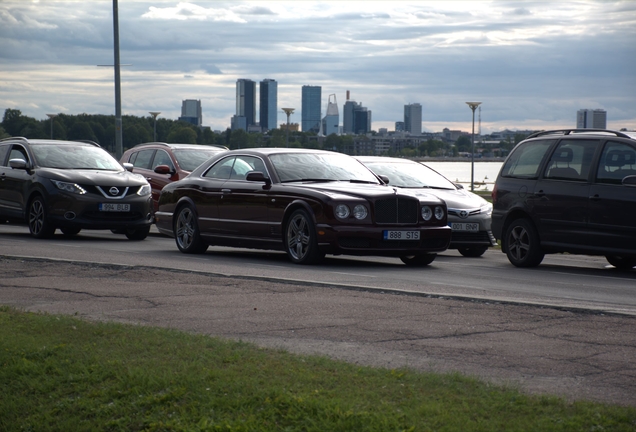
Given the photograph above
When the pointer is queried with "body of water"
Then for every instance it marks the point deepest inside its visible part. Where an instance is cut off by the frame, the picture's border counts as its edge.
(459, 172)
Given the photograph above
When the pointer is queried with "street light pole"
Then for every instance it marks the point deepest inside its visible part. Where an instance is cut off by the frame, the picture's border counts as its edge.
(52, 116)
(119, 146)
(288, 111)
(473, 106)
(155, 114)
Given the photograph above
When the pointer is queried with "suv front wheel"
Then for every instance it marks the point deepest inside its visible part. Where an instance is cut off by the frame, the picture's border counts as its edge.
(522, 244)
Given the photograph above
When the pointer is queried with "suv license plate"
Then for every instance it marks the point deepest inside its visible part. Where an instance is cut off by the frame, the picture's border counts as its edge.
(401, 235)
(465, 226)
(108, 207)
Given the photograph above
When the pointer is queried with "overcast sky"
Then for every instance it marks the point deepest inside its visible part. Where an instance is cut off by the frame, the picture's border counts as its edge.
(531, 64)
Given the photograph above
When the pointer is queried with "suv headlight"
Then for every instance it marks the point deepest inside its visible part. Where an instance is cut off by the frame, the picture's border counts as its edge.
(144, 190)
(69, 187)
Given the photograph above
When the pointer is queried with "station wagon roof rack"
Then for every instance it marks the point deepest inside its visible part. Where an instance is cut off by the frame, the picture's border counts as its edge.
(580, 131)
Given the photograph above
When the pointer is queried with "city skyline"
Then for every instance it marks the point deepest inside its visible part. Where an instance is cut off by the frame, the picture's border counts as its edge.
(533, 65)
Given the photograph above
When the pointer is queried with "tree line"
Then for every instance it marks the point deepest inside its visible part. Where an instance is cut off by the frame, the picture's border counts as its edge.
(136, 130)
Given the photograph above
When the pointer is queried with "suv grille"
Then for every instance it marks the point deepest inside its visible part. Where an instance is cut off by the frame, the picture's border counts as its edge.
(396, 210)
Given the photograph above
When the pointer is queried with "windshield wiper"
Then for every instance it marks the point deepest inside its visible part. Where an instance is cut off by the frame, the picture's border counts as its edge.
(363, 181)
(322, 180)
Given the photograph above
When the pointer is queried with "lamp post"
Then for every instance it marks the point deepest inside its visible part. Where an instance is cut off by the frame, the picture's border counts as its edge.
(288, 111)
(154, 114)
(52, 116)
(473, 106)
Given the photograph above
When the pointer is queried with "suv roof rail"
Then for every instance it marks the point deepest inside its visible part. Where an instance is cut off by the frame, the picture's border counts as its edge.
(169, 144)
(17, 138)
(88, 142)
(575, 130)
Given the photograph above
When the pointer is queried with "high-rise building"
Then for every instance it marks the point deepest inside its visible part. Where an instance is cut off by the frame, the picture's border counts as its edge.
(246, 100)
(356, 118)
(268, 104)
(331, 120)
(191, 112)
(413, 119)
(591, 119)
(310, 115)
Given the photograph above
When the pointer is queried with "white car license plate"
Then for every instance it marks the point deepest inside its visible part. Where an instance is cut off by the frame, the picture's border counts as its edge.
(401, 235)
(108, 207)
(465, 226)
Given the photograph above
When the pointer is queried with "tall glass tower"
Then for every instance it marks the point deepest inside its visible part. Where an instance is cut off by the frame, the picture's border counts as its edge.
(246, 100)
(413, 119)
(310, 115)
(269, 104)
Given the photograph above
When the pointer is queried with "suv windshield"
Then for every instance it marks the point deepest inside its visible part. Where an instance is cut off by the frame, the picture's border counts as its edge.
(70, 156)
(190, 159)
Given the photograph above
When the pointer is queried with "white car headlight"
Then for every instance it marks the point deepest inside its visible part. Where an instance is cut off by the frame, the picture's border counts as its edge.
(69, 187)
(360, 212)
(144, 190)
(427, 213)
(486, 209)
(342, 211)
(439, 212)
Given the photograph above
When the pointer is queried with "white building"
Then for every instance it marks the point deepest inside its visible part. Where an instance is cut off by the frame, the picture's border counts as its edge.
(591, 119)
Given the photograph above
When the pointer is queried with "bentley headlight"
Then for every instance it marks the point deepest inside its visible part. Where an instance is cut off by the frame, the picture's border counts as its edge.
(69, 187)
(439, 212)
(342, 211)
(144, 190)
(360, 212)
(427, 213)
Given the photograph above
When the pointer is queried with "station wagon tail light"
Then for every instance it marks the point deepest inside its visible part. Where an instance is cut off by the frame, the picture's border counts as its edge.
(69, 187)
(144, 190)
(360, 212)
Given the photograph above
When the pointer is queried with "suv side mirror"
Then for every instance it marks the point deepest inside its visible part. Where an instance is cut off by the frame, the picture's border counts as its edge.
(630, 180)
(18, 164)
(128, 166)
(164, 169)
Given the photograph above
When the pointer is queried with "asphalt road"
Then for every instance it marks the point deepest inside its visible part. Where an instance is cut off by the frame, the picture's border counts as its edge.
(452, 316)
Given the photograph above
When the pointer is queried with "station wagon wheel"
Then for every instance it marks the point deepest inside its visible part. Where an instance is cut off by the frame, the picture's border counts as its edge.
(419, 260)
(39, 224)
(300, 239)
(621, 262)
(186, 232)
(522, 244)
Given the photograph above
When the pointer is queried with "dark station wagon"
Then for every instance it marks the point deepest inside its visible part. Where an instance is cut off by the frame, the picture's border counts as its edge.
(307, 203)
(572, 191)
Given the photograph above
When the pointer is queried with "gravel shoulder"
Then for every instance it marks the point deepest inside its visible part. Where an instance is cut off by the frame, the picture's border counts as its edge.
(570, 353)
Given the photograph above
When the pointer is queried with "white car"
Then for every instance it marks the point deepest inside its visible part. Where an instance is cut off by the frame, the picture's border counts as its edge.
(469, 215)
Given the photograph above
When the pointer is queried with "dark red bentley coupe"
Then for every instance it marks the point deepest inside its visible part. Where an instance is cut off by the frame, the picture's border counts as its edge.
(305, 202)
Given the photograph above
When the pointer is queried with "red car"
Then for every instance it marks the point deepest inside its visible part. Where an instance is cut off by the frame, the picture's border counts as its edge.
(305, 202)
(162, 163)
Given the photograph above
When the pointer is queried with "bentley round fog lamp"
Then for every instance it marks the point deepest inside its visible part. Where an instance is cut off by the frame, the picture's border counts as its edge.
(439, 212)
(360, 212)
(342, 211)
(427, 213)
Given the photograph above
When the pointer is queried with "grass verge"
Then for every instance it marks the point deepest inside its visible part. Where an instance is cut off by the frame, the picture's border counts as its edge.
(59, 373)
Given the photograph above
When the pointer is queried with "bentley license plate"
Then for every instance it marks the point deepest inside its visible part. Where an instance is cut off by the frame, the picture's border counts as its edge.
(108, 207)
(401, 235)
